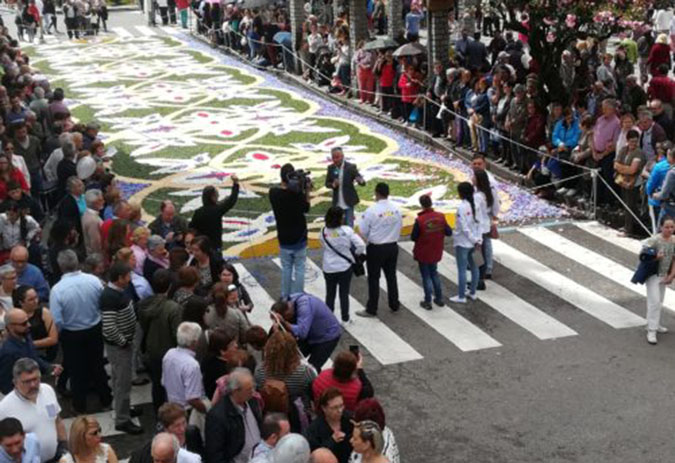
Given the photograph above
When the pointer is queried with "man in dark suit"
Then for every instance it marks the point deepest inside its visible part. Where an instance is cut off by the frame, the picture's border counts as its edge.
(68, 209)
(340, 177)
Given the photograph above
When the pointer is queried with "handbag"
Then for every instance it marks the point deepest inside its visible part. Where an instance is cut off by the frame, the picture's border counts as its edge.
(357, 264)
(494, 231)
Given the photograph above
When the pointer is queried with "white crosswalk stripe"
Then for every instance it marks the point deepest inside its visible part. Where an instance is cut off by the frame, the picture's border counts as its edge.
(122, 32)
(385, 345)
(581, 297)
(146, 31)
(508, 304)
(611, 236)
(448, 323)
(596, 262)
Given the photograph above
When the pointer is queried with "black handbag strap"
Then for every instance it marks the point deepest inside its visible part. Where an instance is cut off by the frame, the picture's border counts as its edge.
(323, 232)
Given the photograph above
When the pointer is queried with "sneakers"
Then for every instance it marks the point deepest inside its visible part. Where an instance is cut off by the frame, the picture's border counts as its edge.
(365, 314)
(458, 300)
(347, 322)
(473, 297)
(425, 305)
(651, 337)
(561, 191)
(662, 330)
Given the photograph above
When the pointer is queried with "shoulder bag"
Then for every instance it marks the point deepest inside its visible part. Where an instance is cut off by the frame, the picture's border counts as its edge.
(357, 263)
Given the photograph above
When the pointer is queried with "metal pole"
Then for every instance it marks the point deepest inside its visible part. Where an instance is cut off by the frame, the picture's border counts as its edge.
(594, 179)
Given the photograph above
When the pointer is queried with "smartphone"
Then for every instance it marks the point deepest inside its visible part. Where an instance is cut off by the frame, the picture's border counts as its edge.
(354, 349)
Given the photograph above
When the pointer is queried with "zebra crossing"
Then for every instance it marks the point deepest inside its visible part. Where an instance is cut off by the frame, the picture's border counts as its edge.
(129, 32)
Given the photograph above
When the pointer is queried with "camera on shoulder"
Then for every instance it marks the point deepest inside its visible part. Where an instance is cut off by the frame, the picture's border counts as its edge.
(299, 181)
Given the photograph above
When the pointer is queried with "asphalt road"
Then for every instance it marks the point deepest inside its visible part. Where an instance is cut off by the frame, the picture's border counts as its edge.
(602, 395)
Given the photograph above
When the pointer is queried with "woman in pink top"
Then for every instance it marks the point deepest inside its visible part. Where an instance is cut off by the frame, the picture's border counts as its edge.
(364, 72)
(139, 238)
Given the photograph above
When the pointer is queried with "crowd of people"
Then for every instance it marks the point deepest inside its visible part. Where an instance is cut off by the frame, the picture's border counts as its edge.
(35, 18)
(488, 99)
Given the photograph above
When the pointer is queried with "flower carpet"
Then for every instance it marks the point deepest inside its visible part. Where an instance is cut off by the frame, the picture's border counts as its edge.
(182, 116)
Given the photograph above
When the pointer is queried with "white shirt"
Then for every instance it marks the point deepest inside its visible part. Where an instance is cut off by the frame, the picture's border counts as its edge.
(672, 25)
(482, 213)
(381, 223)
(10, 233)
(342, 239)
(467, 230)
(662, 20)
(39, 417)
(20, 163)
(185, 456)
(341, 197)
(52, 163)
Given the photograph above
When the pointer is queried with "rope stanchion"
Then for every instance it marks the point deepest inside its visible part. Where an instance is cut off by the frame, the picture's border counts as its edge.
(624, 205)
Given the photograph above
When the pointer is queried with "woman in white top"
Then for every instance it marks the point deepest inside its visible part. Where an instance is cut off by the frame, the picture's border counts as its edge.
(466, 237)
(338, 241)
(487, 217)
(85, 443)
(371, 410)
(664, 243)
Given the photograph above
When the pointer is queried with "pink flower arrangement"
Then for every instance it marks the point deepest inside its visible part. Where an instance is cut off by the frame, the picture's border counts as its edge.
(571, 20)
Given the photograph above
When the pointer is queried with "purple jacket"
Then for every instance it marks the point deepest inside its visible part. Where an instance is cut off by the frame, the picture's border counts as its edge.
(314, 322)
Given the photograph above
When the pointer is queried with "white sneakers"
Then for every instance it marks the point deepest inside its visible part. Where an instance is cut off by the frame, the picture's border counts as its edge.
(651, 337)
(458, 300)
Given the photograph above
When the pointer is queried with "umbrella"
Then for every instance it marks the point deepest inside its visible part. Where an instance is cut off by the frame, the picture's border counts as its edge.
(410, 49)
(283, 36)
(378, 44)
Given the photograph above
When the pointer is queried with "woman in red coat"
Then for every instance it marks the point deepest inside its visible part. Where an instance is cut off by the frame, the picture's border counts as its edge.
(9, 173)
(659, 54)
(182, 6)
(409, 86)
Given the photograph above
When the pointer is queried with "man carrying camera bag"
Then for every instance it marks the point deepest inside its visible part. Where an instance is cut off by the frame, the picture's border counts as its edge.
(290, 203)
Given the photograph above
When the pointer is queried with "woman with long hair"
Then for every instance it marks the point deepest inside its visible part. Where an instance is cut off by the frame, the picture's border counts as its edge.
(118, 238)
(230, 276)
(42, 327)
(466, 237)
(224, 313)
(337, 241)
(664, 243)
(488, 218)
(222, 357)
(206, 262)
(9, 173)
(85, 445)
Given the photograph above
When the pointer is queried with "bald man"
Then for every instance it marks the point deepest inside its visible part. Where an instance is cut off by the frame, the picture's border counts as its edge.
(19, 344)
(323, 455)
(165, 448)
(29, 274)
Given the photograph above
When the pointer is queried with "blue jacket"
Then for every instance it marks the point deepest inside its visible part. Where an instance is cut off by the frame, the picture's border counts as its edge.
(656, 179)
(649, 265)
(12, 350)
(567, 135)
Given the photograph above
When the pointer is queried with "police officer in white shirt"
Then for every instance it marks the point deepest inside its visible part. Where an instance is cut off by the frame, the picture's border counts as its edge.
(380, 227)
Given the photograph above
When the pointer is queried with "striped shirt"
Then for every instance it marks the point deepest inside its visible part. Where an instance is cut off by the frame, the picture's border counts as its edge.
(119, 318)
(297, 382)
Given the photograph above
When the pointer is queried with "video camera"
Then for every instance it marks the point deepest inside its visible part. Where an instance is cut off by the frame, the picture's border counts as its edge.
(299, 181)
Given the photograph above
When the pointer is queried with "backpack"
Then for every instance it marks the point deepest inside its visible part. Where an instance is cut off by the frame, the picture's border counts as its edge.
(275, 395)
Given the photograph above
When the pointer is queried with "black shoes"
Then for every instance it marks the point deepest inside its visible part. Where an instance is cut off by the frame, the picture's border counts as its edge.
(135, 412)
(425, 305)
(129, 428)
(439, 303)
(140, 381)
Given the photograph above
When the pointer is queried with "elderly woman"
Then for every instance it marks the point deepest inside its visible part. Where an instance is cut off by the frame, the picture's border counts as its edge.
(371, 410)
(224, 313)
(157, 257)
(367, 441)
(42, 327)
(333, 427)
(85, 445)
(7, 287)
(139, 246)
(347, 376)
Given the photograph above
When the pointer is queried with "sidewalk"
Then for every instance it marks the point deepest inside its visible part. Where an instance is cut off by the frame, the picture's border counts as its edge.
(6, 9)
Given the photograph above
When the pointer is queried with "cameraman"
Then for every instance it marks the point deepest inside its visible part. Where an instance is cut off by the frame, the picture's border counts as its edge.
(290, 206)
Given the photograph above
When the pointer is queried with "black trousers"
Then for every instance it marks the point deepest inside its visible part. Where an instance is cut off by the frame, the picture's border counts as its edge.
(318, 353)
(343, 280)
(382, 257)
(83, 357)
(154, 367)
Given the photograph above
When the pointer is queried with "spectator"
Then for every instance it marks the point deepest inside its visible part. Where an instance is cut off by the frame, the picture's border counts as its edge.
(650, 134)
(312, 323)
(628, 166)
(84, 443)
(605, 134)
(187, 281)
(466, 237)
(168, 225)
(429, 232)
(292, 448)
(290, 203)
(28, 147)
(8, 173)
(341, 252)
(74, 302)
(181, 376)
(371, 410)
(17, 228)
(634, 95)
(34, 403)
(654, 183)
(659, 54)
(365, 61)
(18, 344)
(72, 207)
(208, 219)
(274, 427)
(340, 177)
(62, 236)
(42, 328)
(662, 118)
(380, 227)
(139, 288)
(229, 276)
(333, 427)
(222, 357)
(66, 169)
(385, 69)
(27, 273)
(139, 246)
(224, 313)
(165, 447)
(348, 376)
(91, 221)
(233, 424)
(157, 257)
(367, 440)
(7, 287)
(208, 262)
(16, 446)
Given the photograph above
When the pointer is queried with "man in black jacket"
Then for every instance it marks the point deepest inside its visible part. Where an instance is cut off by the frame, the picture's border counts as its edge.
(68, 209)
(290, 206)
(208, 219)
(233, 424)
(340, 177)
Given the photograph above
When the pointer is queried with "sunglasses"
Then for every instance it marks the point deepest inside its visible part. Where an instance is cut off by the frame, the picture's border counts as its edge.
(95, 432)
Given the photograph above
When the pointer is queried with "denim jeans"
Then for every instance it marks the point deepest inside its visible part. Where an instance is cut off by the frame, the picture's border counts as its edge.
(486, 249)
(292, 271)
(349, 216)
(465, 260)
(431, 282)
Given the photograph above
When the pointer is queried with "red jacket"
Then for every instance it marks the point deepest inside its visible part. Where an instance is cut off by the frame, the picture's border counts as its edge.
(350, 390)
(659, 54)
(661, 88)
(409, 89)
(18, 177)
(429, 233)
